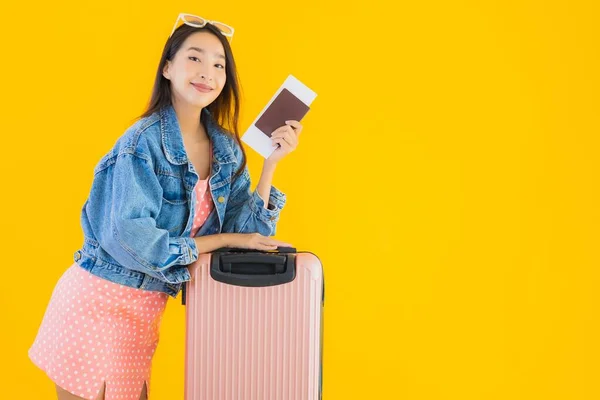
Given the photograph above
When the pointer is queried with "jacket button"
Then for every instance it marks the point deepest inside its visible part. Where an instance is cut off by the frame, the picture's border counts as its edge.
(77, 255)
(221, 199)
(272, 218)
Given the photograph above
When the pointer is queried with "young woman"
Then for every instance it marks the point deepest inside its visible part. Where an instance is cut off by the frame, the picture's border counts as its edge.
(174, 185)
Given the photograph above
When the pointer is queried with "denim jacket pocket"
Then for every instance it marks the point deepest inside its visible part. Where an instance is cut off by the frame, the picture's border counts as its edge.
(173, 216)
(173, 188)
(174, 210)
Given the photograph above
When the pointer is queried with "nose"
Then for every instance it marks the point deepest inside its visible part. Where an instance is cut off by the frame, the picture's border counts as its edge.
(205, 76)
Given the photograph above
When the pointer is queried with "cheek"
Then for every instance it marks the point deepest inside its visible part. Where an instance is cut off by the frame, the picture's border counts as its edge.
(180, 76)
(188, 72)
(221, 80)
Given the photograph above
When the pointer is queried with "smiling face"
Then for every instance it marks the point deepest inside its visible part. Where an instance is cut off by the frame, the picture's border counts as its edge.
(197, 72)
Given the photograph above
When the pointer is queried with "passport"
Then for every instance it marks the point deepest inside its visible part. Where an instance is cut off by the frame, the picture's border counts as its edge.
(285, 107)
(290, 102)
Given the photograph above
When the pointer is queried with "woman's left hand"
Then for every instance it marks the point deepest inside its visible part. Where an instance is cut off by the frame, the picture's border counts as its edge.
(286, 137)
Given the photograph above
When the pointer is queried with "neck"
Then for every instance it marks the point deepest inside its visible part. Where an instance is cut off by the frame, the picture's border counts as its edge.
(189, 118)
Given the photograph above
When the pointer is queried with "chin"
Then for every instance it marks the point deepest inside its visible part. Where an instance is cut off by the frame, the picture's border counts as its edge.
(203, 101)
(199, 103)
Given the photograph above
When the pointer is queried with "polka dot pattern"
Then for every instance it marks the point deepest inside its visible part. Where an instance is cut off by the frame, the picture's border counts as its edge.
(96, 331)
(204, 205)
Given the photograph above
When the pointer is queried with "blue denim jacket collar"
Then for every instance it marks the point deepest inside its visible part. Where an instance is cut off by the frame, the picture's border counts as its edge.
(172, 140)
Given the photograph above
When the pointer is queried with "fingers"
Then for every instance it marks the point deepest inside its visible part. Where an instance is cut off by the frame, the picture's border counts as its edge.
(266, 243)
(284, 144)
(296, 125)
(265, 247)
(289, 137)
(286, 138)
(283, 131)
(280, 243)
(274, 242)
(293, 127)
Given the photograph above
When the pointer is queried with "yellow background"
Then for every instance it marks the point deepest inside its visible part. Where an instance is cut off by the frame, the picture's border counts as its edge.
(447, 176)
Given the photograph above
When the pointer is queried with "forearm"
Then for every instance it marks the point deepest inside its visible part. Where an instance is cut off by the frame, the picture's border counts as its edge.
(265, 182)
(208, 243)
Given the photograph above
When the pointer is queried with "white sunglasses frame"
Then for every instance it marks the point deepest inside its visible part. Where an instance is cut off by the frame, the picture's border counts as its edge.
(183, 15)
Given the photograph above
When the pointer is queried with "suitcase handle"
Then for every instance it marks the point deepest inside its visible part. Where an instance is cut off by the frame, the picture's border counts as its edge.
(253, 268)
(280, 249)
(254, 264)
(251, 280)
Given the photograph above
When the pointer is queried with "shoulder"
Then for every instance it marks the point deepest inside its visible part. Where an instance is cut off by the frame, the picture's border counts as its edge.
(138, 139)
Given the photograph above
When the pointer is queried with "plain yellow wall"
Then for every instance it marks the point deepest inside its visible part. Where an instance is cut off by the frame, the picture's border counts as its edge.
(447, 176)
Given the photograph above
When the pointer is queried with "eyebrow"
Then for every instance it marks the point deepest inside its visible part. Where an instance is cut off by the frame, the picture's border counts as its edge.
(198, 49)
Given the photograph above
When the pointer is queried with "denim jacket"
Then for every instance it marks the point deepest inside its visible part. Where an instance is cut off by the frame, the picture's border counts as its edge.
(138, 217)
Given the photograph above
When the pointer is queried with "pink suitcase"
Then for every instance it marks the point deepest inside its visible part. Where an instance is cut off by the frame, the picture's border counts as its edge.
(254, 326)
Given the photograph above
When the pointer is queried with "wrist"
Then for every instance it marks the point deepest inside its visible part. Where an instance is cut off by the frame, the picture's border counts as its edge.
(227, 239)
(269, 164)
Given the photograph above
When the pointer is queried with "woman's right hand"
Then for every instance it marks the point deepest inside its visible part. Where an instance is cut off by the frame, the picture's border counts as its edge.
(254, 241)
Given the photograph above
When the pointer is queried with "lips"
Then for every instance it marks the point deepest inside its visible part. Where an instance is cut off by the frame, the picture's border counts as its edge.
(201, 87)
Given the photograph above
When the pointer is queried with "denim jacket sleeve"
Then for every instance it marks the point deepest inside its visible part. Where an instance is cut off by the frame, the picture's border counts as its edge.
(129, 233)
(245, 212)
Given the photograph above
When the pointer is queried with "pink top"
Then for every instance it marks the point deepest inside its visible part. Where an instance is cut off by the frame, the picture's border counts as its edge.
(203, 206)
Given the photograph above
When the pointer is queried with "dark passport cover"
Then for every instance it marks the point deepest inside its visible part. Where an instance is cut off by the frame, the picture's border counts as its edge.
(285, 107)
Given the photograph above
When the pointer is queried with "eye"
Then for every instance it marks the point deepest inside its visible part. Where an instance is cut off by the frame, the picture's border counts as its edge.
(194, 58)
(220, 66)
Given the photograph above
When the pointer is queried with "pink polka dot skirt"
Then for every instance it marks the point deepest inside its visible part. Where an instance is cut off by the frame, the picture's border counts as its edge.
(95, 331)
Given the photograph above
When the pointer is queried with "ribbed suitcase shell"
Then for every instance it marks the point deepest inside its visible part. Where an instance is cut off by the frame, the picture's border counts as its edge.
(254, 343)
